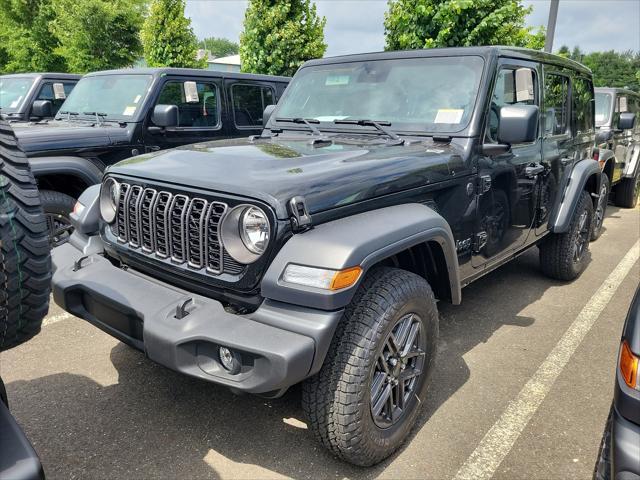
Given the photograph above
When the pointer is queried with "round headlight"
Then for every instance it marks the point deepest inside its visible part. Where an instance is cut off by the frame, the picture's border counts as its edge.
(109, 195)
(254, 230)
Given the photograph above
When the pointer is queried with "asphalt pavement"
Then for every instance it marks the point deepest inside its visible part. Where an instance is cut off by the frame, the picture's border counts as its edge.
(522, 389)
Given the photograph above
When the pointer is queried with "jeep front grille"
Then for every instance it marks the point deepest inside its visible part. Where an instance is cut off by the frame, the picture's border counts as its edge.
(173, 226)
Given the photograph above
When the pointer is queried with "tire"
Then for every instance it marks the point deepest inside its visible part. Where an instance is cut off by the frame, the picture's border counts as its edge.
(25, 262)
(338, 400)
(564, 256)
(57, 207)
(601, 208)
(602, 470)
(628, 192)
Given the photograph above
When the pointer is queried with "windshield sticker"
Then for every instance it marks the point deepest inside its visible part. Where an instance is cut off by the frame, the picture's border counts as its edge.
(137, 99)
(449, 115)
(58, 91)
(600, 117)
(129, 110)
(330, 118)
(14, 104)
(333, 80)
(191, 92)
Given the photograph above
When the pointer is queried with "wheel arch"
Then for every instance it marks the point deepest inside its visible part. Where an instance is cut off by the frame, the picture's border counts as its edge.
(70, 175)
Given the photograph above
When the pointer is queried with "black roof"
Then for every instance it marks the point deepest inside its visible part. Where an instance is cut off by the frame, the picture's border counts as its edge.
(626, 91)
(49, 76)
(191, 72)
(489, 51)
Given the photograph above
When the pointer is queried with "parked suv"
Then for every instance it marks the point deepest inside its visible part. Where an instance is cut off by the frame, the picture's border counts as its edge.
(618, 140)
(317, 251)
(118, 114)
(28, 97)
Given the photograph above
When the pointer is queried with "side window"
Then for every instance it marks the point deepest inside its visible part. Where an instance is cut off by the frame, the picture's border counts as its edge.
(556, 104)
(197, 107)
(249, 102)
(583, 105)
(48, 92)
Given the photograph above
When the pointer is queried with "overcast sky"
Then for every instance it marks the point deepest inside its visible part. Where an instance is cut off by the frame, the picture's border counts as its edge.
(355, 26)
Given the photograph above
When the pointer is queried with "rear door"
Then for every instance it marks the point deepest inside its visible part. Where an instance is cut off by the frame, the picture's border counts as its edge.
(247, 101)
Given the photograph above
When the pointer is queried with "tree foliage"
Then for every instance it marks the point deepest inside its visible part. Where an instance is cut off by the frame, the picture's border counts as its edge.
(413, 24)
(219, 47)
(280, 35)
(97, 34)
(168, 38)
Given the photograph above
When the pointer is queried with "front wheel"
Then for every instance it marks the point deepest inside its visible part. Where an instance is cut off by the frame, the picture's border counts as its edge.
(57, 209)
(366, 398)
(601, 208)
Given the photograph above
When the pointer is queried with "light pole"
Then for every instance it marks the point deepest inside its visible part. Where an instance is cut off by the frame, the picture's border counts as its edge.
(551, 25)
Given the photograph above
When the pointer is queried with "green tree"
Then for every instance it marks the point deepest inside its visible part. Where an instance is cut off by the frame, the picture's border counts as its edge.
(412, 24)
(97, 34)
(219, 47)
(168, 38)
(614, 69)
(280, 35)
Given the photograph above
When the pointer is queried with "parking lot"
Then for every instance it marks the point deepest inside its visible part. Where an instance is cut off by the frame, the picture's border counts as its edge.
(522, 390)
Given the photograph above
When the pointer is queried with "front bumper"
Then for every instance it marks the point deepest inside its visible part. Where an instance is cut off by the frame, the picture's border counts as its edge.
(625, 448)
(18, 459)
(279, 344)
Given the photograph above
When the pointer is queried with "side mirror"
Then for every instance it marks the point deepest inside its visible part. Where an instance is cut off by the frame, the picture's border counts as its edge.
(266, 115)
(627, 121)
(518, 124)
(165, 116)
(603, 136)
(42, 109)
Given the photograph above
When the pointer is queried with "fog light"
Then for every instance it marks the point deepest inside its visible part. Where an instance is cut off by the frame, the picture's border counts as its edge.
(230, 360)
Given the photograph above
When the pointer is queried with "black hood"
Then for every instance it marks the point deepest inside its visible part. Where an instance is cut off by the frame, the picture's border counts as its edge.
(275, 170)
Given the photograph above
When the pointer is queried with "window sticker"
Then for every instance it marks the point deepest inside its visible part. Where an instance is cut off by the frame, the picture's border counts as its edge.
(191, 92)
(330, 118)
(129, 110)
(600, 117)
(137, 99)
(449, 115)
(623, 104)
(14, 104)
(58, 91)
(334, 80)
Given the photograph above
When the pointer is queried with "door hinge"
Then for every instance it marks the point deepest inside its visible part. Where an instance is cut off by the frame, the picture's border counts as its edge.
(483, 184)
(300, 218)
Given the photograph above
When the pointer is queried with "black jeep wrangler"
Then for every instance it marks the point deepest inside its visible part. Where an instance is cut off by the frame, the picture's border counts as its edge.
(316, 252)
(118, 114)
(26, 97)
(618, 141)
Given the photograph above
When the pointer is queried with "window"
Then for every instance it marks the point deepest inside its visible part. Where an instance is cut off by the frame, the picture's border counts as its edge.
(249, 102)
(583, 105)
(556, 103)
(13, 91)
(47, 92)
(197, 107)
(604, 103)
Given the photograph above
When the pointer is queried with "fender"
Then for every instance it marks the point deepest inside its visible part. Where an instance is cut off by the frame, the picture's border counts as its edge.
(604, 155)
(563, 211)
(76, 166)
(364, 239)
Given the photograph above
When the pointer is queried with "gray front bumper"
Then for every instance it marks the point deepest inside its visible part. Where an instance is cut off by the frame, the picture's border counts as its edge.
(280, 344)
(625, 448)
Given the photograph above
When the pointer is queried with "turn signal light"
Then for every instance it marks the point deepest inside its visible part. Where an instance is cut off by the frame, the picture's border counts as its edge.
(628, 365)
(345, 278)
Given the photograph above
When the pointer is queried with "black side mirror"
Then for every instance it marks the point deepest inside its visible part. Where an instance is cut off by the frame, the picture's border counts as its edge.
(266, 115)
(42, 109)
(627, 121)
(518, 124)
(603, 136)
(165, 116)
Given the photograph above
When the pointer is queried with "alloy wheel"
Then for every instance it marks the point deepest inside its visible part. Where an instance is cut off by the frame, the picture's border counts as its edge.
(582, 237)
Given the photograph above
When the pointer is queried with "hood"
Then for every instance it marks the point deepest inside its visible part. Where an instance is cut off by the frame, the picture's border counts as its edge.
(276, 170)
(55, 135)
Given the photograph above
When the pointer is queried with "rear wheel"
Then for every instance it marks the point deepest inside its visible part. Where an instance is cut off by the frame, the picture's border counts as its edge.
(365, 400)
(601, 208)
(628, 192)
(57, 208)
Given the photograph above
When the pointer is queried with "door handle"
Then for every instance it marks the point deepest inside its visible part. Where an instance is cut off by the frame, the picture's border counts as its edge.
(533, 170)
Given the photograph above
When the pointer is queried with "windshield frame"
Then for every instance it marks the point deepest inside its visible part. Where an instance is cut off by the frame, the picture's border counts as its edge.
(140, 111)
(23, 102)
(612, 97)
(329, 127)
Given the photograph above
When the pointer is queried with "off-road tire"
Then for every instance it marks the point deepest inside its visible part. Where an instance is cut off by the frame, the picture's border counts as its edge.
(628, 191)
(603, 200)
(337, 400)
(25, 262)
(557, 249)
(57, 207)
(602, 470)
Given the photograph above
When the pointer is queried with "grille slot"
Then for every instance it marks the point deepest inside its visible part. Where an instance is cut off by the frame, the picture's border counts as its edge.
(176, 227)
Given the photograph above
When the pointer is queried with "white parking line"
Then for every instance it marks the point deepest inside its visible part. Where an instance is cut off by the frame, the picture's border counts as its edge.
(499, 440)
(56, 318)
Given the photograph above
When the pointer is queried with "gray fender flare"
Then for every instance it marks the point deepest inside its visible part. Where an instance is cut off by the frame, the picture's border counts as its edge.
(605, 155)
(76, 166)
(363, 239)
(570, 194)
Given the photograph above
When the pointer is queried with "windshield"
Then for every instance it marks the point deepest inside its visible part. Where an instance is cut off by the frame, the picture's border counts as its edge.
(604, 102)
(13, 91)
(117, 96)
(435, 94)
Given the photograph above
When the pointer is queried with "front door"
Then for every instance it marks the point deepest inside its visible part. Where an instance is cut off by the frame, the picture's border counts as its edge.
(508, 183)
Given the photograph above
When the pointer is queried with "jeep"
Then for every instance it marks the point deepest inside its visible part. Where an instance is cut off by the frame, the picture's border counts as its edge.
(26, 97)
(317, 251)
(618, 142)
(118, 114)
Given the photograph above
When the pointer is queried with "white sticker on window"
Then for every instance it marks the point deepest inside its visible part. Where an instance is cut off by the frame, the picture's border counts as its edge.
(129, 110)
(600, 117)
(137, 99)
(333, 80)
(623, 104)
(449, 115)
(14, 104)
(191, 92)
(58, 91)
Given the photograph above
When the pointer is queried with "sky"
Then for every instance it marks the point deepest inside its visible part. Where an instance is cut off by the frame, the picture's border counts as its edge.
(356, 26)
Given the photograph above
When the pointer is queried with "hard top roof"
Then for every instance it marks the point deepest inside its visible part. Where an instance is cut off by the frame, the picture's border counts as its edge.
(50, 75)
(617, 90)
(191, 72)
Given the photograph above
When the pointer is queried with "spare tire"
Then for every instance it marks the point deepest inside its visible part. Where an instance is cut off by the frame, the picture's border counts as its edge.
(25, 260)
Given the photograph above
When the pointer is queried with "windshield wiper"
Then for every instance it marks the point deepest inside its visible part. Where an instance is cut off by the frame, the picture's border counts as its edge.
(379, 125)
(98, 116)
(68, 114)
(309, 122)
